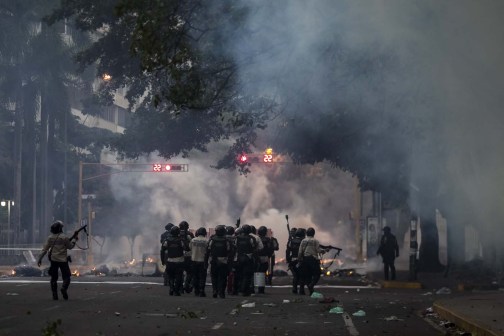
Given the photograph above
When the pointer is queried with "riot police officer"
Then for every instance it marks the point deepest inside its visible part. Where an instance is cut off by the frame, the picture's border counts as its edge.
(264, 255)
(172, 255)
(57, 245)
(165, 234)
(186, 235)
(292, 259)
(230, 235)
(308, 255)
(198, 246)
(219, 250)
(246, 246)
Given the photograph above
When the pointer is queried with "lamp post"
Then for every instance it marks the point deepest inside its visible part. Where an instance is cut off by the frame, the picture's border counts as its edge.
(8, 204)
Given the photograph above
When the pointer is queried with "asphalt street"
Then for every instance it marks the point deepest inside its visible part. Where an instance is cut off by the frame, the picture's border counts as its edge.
(142, 306)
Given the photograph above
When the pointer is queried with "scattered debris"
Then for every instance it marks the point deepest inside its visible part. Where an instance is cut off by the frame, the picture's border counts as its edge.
(234, 312)
(443, 290)
(359, 313)
(269, 304)
(428, 293)
(117, 313)
(248, 305)
(317, 295)
(286, 301)
(392, 318)
(336, 310)
(328, 300)
(12, 294)
(27, 271)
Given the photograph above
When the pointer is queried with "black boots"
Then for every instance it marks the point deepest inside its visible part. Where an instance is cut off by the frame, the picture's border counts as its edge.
(54, 290)
(64, 293)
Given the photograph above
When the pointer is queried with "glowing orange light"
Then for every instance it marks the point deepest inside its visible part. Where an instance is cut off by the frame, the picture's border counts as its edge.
(106, 77)
(269, 151)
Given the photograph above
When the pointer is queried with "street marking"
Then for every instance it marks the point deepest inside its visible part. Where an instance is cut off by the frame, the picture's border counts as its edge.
(349, 324)
(217, 326)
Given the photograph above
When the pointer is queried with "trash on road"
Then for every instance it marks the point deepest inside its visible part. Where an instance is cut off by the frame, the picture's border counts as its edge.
(428, 293)
(317, 295)
(12, 294)
(328, 300)
(248, 305)
(336, 310)
(443, 290)
(392, 318)
(117, 313)
(359, 313)
(286, 301)
(234, 312)
(269, 304)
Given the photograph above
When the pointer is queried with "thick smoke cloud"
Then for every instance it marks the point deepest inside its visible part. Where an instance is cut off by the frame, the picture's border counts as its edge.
(312, 196)
(439, 67)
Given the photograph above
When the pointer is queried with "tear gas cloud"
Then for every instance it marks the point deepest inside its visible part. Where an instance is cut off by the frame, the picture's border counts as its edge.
(438, 66)
(442, 71)
(320, 197)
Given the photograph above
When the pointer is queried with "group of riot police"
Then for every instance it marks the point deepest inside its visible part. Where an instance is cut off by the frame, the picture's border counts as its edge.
(233, 255)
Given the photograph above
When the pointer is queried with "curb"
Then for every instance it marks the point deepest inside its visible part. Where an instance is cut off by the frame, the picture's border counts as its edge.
(464, 322)
(401, 284)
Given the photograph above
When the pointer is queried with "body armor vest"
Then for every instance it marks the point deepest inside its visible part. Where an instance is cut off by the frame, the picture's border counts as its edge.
(174, 247)
(244, 244)
(294, 246)
(219, 247)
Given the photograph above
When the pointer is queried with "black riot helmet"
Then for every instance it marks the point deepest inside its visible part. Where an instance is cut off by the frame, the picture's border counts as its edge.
(253, 229)
(57, 227)
(230, 230)
(220, 230)
(386, 229)
(246, 229)
(301, 233)
(310, 232)
(201, 232)
(184, 226)
(262, 231)
(175, 231)
(293, 231)
(169, 226)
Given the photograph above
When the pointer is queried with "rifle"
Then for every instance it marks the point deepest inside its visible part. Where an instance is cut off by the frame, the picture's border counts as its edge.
(330, 247)
(76, 233)
(288, 227)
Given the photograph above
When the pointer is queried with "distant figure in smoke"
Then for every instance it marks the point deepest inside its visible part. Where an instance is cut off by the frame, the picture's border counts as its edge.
(198, 247)
(389, 250)
(187, 236)
(57, 245)
(255, 256)
(308, 256)
(219, 251)
(291, 254)
(172, 255)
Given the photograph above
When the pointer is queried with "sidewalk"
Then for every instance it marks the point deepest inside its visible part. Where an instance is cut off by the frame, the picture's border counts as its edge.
(478, 313)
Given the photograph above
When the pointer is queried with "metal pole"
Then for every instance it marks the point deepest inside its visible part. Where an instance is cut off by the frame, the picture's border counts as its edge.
(413, 248)
(90, 258)
(79, 201)
(8, 225)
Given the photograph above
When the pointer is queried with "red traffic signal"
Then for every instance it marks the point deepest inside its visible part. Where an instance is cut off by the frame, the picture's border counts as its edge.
(243, 158)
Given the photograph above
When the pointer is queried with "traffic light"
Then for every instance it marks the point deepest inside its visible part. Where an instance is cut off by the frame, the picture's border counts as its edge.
(243, 158)
(168, 167)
